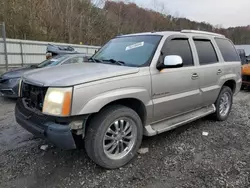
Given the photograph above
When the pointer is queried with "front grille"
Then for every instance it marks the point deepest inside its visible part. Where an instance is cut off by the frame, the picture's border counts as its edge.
(33, 95)
(246, 78)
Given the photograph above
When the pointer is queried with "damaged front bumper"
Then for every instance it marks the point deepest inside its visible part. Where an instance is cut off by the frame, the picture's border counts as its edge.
(40, 125)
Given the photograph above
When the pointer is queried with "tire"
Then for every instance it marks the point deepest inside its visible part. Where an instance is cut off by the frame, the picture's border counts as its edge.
(219, 115)
(105, 120)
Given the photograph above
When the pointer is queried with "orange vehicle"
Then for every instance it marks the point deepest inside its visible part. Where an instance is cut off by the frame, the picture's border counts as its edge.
(245, 69)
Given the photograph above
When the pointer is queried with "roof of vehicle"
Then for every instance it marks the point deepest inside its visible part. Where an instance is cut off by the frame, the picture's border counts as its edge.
(185, 32)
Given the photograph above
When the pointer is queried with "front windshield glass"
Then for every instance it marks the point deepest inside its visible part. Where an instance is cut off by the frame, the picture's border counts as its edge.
(132, 50)
(51, 62)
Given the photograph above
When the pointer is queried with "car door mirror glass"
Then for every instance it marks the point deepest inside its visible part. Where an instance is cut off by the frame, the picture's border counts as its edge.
(173, 61)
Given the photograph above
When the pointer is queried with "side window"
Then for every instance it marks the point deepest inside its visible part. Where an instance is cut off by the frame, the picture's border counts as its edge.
(228, 51)
(74, 60)
(179, 47)
(206, 52)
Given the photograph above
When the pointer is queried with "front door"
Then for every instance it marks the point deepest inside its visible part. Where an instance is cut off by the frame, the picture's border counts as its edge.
(176, 90)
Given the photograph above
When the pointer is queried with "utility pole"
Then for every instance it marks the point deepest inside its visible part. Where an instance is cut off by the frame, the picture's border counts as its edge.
(5, 45)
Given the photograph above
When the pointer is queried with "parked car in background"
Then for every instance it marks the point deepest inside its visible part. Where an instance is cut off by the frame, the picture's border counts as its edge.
(245, 69)
(9, 81)
(54, 50)
(243, 56)
(135, 85)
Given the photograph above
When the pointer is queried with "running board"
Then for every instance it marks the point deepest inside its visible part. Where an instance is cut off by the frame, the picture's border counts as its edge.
(172, 123)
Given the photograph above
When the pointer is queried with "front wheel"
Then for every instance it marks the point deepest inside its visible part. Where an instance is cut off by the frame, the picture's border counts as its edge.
(223, 104)
(113, 136)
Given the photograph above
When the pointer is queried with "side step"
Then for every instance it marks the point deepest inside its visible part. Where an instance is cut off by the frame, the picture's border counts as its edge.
(172, 123)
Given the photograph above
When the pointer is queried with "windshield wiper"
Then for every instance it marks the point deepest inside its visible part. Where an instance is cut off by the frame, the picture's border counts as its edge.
(113, 61)
(95, 60)
(34, 66)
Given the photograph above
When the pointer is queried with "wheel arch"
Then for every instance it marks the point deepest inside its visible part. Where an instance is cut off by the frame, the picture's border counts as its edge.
(133, 103)
(231, 84)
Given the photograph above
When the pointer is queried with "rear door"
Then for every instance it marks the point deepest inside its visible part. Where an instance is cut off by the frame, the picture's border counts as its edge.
(210, 69)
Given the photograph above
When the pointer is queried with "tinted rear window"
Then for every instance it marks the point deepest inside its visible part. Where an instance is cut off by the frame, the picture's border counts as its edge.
(206, 52)
(227, 49)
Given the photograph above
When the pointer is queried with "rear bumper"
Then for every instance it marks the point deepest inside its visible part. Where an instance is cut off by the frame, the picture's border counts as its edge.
(40, 126)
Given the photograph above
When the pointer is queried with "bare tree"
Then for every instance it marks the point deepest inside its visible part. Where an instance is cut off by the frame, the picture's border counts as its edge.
(96, 21)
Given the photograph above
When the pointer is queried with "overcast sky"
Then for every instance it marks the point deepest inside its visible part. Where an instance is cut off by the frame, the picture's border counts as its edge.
(217, 12)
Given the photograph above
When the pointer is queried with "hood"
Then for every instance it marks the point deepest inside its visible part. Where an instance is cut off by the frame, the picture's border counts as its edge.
(16, 73)
(73, 74)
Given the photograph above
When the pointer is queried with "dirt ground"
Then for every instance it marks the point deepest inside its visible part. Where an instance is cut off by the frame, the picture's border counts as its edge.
(179, 158)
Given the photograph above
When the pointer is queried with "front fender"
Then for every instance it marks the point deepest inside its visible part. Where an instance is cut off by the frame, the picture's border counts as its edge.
(101, 100)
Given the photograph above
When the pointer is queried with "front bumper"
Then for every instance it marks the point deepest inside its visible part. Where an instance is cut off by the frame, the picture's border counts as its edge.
(8, 89)
(44, 127)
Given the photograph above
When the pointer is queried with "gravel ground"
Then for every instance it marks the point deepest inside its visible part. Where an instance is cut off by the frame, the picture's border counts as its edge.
(179, 158)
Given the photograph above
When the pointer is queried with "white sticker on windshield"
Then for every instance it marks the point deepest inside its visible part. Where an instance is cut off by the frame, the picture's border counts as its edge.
(137, 45)
(53, 59)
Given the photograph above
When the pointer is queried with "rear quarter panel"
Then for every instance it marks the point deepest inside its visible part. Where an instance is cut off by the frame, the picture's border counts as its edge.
(233, 72)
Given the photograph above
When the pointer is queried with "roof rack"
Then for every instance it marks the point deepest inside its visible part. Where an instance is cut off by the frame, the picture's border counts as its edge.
(201, 32)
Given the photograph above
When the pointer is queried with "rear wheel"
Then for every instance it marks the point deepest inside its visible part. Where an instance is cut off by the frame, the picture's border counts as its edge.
(223, 104)
(113, 136)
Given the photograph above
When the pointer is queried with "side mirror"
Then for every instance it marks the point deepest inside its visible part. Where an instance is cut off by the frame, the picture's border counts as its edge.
(171, 61)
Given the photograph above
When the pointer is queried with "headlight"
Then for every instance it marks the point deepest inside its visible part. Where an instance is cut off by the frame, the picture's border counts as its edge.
(58, 101)
(13, 80)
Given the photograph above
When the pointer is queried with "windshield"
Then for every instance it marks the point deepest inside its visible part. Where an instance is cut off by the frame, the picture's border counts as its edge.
(132, 50)
(51, 62)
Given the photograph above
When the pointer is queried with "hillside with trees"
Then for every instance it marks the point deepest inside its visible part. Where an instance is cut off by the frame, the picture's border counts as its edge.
(75, 21)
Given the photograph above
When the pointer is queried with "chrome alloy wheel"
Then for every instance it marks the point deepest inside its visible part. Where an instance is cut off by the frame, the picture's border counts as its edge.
(119, 138)
(225, 104)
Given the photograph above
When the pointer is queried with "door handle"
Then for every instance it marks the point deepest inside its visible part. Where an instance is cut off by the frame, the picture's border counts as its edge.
(219, 71)
(195, 76)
